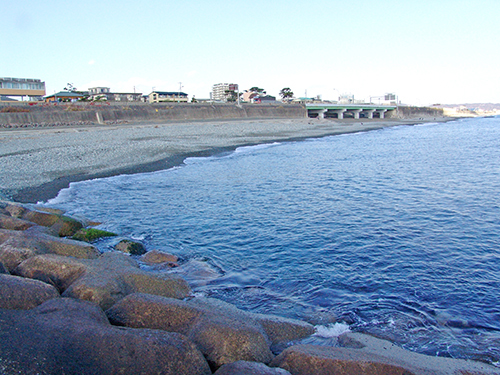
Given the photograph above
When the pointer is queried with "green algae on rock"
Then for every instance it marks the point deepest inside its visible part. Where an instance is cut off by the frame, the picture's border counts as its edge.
(92, 234)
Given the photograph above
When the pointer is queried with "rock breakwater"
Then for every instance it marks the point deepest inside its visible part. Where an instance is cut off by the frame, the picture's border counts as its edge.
(67, 308)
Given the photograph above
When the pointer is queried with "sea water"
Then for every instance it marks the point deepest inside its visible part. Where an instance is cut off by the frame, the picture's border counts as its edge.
(393, 232)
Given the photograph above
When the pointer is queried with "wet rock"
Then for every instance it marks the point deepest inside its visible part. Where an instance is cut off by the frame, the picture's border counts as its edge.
(130, 247)
(280, 329)
(50, 210)
(20, 293)
(222, 332)
(249, 368)
(66, 336)
(155, 257)
(91, 234)
(365, 354)
(323, 360)
(13, 223)
(104, 280)
(66, 226)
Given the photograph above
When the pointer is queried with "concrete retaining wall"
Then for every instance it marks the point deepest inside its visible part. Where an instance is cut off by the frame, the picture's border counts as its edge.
(53, 114)
(415, 112)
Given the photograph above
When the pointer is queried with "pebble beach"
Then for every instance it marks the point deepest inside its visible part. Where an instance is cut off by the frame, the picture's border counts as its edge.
(38, 162)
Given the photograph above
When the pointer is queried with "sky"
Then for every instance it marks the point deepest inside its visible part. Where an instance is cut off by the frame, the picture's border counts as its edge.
(426, 52)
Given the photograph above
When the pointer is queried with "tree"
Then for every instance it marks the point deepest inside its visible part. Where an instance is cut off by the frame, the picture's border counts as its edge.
(70, 87)
(286, 93)
(257, 90)
(231, 95)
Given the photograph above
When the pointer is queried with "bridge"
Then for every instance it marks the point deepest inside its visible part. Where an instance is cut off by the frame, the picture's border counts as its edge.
(340, 111)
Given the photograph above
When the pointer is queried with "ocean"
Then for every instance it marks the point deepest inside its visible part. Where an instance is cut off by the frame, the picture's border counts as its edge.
(394, 232)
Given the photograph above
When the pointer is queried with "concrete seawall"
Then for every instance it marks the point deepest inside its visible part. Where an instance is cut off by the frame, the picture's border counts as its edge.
(63, 113)
(405, 112)
(44, 114)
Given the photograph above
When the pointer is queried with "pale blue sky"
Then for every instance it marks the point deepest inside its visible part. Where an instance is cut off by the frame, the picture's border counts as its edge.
(439, 51)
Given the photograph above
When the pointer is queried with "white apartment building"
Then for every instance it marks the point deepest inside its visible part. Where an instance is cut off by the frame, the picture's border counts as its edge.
(219, 91)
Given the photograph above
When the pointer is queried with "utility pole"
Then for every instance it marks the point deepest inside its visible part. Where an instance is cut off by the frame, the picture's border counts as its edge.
(179, 94)
(238, 93)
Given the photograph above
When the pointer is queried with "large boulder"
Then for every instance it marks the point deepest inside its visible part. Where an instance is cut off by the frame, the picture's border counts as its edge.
(66, 336)
(13, 223)
(52, 269)
(20, 293)
(104, 280)
(323, 360)
(130, 247)
(222, 332)
(158, 257)
(12, 209)
(13, 253)
(283, 330)
(17, 246)
(23, 217)
(66, 226)
(249, 368)
(363, 354)
(44, 219)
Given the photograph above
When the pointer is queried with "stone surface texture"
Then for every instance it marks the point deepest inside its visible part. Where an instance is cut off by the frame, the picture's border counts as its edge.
(367, 355)
(67, 336)
(104, 280)
(23, 294)
(249, 368)
(222, 332)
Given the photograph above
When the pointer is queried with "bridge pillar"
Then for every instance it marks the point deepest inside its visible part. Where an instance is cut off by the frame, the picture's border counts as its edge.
(319, 112)
(340, 113)
(381, 111)
(356, 112)
(369, 112)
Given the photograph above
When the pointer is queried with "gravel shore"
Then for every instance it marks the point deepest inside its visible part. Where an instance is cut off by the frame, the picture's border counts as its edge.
(37, 163)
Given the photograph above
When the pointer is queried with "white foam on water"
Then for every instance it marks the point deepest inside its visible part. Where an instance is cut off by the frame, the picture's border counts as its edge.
(245, 149)
(331, 330)
(63, 196)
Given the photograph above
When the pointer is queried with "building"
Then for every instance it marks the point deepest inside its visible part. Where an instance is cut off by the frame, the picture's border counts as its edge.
(248, 96)
(261, 99)
(255, 97)
(224, 92)
(98, 90)
(103, 93)
(64, 96)
(34, 89)
(167, 96)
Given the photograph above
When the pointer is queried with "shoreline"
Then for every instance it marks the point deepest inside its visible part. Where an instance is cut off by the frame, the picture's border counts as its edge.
(364, 347)
(84, 152)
